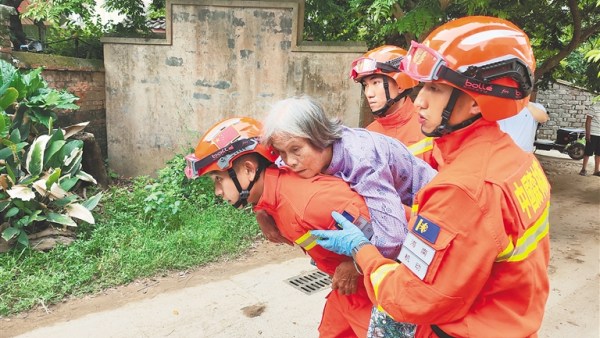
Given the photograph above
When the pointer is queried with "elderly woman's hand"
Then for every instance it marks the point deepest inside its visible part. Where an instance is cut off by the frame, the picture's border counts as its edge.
(269, 228)
(345, 278)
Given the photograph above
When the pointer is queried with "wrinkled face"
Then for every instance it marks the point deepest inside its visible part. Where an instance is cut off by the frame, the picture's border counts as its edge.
(300, 155)
(432, 100)
(375, 92)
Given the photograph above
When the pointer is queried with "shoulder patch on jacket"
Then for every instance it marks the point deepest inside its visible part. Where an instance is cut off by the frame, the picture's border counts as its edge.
(426, 229)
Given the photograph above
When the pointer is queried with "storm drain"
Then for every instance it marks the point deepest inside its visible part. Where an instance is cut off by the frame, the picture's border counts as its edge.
(310, 282)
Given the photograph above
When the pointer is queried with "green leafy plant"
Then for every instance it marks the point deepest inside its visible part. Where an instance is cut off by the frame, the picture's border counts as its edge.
(39, 165)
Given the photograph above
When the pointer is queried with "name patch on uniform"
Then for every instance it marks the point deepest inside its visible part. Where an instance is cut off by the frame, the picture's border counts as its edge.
(426, 229)
(413, 262)
(419, 248)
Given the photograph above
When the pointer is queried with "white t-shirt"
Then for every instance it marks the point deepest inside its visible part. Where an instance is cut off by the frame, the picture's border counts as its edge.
(522, 127)
(595, 127)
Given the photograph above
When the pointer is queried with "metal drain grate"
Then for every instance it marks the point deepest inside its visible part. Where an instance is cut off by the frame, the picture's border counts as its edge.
(310, 282)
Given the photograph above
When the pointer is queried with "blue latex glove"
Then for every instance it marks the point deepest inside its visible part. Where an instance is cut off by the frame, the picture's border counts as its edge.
(340, 241)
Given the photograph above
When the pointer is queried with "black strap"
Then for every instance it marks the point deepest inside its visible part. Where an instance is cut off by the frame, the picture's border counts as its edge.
(390, 102)
(439, 332)
(444, 127)
(246, 144)
(244, 193)
(482, 87)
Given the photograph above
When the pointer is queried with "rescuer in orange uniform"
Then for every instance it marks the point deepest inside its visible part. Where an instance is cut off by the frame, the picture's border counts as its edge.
(240, 167)
(386, 89)
(474, 263)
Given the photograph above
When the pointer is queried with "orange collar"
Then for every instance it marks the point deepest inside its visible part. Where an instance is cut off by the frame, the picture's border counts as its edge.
(400, 116)
(451, 145)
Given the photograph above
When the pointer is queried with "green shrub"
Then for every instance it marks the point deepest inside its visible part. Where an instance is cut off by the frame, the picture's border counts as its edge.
(128, 242)
(39, 165)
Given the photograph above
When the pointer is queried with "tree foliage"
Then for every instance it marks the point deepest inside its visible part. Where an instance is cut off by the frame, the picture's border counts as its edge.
(75, 27)
(557, 28)
(561, 31)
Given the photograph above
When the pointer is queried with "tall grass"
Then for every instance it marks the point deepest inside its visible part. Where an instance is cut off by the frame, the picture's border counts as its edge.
(143, 229)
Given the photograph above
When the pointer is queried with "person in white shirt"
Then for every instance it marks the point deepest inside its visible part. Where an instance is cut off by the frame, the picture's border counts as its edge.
(592, 142)
(523, 126)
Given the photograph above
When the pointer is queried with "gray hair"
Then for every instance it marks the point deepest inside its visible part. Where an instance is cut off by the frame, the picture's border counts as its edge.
(301, 116)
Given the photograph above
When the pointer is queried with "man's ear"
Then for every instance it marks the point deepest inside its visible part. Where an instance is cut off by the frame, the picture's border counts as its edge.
(474, 110)
(249, 168)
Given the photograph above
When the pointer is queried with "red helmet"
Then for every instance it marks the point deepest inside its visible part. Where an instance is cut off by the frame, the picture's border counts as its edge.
(488, 58)
(382, 60)
(223, 143)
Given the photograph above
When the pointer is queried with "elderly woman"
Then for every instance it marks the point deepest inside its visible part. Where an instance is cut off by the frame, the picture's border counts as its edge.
(379, 168)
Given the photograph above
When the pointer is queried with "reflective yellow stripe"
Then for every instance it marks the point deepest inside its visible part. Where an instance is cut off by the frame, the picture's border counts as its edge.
(307, 241)
(414, 209)
(528, 242)
(378, 275)
(422, 146)
(506, 253)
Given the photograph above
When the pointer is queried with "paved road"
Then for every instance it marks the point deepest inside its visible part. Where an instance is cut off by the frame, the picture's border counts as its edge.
(231, 307)
(288, 312)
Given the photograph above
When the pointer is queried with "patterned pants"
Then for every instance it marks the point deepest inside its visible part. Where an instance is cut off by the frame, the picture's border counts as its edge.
(383, 326)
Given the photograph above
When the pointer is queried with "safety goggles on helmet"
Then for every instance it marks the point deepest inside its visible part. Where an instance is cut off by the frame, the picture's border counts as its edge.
(425, 64)
(363, 66)
(422, 63)
(222, 157)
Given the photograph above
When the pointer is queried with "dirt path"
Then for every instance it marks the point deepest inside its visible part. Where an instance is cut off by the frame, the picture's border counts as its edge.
(573, 307)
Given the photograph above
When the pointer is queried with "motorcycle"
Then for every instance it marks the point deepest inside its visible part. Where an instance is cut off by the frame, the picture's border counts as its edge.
(568, 141)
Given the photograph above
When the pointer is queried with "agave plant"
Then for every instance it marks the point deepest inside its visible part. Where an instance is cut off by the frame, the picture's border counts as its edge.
(39, 164)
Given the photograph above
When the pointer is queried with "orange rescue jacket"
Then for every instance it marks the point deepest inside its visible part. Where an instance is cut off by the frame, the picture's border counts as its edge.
(298, 205)
(403, 125)
(475, 260)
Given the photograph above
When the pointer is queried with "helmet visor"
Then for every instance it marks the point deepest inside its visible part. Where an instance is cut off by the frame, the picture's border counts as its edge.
(363, 66)
(422, 63)
(191, 166)
(222, 157)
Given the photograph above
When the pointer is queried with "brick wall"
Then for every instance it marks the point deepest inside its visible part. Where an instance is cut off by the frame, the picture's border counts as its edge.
(567, 106)
(89, 87)
(84, 79)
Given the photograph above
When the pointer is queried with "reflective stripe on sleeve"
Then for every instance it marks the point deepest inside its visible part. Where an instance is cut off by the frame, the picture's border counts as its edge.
(528, 242)
(378, 275)
(306, 241)
(414, 210)
(422, 146)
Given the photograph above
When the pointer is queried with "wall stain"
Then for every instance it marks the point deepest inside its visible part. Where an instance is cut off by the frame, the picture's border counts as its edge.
(200, 96)
(285, 45)
(268, 20)
(231, 43)
(218, 84)
(238, 22)
(286, 25)
(245, 53)
(174, 62)
(307, 80)
(205, 14)
(181, 17)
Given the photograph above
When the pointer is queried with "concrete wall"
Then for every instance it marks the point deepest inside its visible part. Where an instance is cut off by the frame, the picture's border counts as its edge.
(219, 59)
(567, 106)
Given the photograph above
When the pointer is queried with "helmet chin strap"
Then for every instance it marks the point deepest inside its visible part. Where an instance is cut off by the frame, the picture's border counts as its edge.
(444, 127)
(244, 193)
(389, 101)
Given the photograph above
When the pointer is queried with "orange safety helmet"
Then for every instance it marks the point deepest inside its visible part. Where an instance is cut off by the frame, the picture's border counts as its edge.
(488, 58)
(387, 59)
(223, 143)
